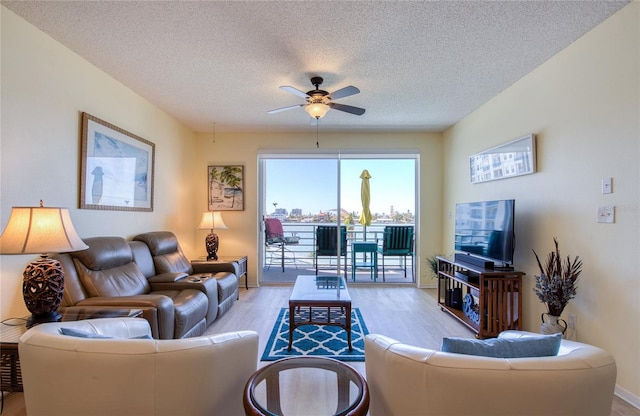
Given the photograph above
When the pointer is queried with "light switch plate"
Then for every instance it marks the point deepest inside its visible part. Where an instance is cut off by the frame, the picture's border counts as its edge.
(606, 214)
(606, 185)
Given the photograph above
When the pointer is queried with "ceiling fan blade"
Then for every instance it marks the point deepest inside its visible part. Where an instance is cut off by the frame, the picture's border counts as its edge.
(294, 91)
(291, 107)
(347, 108)
(344, 92)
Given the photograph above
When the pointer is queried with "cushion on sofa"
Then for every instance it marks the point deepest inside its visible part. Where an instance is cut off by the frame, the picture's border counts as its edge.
(125, 280)
(535, 346)
(73, 332)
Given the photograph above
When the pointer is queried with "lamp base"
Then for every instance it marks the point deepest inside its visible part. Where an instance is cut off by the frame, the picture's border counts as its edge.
(42, 289)
(44, 318)
(212, 242)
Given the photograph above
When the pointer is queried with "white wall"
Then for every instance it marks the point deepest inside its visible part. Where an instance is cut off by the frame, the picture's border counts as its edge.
(45, 88)
(244, 227)
(584, 107)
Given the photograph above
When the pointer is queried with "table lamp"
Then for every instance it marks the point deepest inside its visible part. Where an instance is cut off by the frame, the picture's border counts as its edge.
(212, 220)
(40, 230)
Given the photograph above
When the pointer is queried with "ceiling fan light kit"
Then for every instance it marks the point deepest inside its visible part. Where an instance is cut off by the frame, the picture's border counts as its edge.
(319, 102)
(317, 110)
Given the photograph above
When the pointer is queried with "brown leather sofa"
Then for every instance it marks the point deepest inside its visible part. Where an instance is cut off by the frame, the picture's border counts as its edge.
(168, 258)
(113, 273)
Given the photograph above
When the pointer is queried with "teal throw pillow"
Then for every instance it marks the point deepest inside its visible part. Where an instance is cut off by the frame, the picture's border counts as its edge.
(72, 332)
(534, 346)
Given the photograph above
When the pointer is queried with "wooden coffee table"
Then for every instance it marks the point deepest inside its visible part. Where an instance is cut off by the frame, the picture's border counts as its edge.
(316, 300)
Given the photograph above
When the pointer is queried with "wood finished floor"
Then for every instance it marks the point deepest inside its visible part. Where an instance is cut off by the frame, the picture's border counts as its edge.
(405, 313)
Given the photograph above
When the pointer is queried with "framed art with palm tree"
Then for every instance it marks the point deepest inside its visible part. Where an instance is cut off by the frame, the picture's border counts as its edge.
(226, 188)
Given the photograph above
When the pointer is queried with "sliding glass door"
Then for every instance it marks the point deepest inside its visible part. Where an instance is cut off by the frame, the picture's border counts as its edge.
(304, 191)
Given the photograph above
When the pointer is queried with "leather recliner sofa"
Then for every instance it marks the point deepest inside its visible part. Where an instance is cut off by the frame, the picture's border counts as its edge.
(108, 275)
(211, 278)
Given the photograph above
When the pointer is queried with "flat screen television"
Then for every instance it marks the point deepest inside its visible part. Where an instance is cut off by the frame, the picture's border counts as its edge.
(485, 230)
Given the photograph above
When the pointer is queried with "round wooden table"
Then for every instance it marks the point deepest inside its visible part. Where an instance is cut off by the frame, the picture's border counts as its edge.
(313, 385)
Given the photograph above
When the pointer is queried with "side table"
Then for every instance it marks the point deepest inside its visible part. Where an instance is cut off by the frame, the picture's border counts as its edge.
(321, 385)
(364, 247)
(238, 262)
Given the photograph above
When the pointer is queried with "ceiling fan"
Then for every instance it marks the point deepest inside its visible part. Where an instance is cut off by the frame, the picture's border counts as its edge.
(320, 101)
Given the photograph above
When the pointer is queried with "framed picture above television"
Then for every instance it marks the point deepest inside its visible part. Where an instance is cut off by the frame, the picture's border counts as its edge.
(226, 187)
(515, 158)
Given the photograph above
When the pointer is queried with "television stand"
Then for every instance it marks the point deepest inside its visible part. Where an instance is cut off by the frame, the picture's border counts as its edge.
(491, 298)
(476, 261)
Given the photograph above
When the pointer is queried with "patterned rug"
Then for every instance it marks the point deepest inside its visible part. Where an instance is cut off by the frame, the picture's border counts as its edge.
(316, 340)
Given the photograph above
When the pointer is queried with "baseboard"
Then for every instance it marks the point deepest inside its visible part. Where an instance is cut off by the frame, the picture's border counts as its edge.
(627, 396)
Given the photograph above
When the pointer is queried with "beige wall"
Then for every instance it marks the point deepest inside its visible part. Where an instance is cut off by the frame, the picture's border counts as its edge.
(244, 227)
(583, 105)
(45, 88)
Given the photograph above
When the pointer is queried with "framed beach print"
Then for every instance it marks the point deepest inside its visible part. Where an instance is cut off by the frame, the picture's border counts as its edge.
(515, 158)
(226, 187)
(116, 170)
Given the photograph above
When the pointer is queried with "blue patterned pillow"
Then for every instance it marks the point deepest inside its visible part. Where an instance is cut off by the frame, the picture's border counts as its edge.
(534, 346)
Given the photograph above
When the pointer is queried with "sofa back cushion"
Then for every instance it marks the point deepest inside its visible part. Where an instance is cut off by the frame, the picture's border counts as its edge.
(167, 254)
(74, 291)
(106, 268)
(142, 257)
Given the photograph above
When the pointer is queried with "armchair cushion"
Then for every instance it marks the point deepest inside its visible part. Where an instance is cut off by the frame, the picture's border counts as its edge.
(534, 346)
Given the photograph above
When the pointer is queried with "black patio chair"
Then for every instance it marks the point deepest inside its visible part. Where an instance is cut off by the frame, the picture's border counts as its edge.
(397, 241)
(327, 242)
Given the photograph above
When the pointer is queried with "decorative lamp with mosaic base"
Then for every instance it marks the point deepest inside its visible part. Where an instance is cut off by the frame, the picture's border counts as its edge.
(36, 230)
(212, 220)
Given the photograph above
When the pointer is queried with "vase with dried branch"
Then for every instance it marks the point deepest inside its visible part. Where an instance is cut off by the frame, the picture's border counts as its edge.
(556, 285)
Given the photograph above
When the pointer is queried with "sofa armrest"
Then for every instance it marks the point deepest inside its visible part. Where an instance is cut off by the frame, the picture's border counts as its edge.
(167, 277)
(158, 310)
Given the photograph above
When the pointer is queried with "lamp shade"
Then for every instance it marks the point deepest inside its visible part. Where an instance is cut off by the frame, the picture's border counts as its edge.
(212, 220)
(316, 110)
(39, 230)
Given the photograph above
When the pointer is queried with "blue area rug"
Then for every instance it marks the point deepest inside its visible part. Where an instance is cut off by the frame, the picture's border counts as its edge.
(316, 340)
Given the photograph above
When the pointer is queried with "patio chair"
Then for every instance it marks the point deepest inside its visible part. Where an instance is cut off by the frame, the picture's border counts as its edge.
(275, 241)
(326, 244)
(397, 241)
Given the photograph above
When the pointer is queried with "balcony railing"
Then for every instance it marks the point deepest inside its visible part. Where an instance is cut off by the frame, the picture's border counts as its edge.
(305, 248)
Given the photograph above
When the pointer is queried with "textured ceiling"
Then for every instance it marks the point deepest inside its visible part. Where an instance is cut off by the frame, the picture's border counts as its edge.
(420, 66)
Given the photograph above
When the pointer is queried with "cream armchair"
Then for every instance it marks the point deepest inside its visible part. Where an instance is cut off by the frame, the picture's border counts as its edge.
(405, 380)
(69, 375)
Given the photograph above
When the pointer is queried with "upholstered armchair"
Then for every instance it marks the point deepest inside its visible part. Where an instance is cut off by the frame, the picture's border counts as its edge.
(66, 375)
(409, 380)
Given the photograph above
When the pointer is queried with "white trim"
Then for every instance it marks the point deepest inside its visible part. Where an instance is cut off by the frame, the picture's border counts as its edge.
(627, 396)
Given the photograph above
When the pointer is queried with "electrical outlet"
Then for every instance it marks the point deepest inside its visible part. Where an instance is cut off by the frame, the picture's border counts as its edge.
(606, 214)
